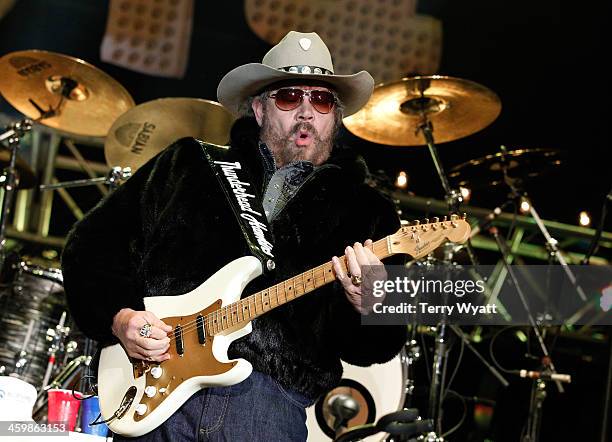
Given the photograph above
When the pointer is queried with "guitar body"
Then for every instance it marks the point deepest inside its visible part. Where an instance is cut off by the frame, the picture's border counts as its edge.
(139, 395)
(200, 366)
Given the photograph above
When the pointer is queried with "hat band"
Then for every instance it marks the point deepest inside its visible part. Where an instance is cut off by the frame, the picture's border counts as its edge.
(304, 69)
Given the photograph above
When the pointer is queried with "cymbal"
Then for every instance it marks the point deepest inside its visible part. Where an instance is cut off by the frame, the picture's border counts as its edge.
(147, 129)
(521, 163)
(455, 107)
(93, 100)
(25, 174)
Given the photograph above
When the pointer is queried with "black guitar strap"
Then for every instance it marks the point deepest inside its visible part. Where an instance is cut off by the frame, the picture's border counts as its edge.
(228, 166)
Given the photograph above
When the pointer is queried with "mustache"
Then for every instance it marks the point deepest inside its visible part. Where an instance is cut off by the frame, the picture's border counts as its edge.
(304, 127)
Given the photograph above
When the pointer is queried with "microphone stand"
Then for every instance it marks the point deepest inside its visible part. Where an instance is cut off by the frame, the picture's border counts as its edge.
(538, 395)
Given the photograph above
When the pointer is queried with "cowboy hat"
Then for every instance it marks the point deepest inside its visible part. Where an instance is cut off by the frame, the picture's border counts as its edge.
(297, 56)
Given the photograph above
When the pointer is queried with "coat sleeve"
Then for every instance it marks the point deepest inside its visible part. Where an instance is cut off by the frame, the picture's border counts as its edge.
(103, 252)
(359, 344)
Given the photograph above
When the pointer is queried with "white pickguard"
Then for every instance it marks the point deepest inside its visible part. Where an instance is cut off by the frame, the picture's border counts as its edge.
(115, 374)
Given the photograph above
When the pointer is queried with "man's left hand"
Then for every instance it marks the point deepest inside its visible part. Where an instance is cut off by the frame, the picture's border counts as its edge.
(357, 286)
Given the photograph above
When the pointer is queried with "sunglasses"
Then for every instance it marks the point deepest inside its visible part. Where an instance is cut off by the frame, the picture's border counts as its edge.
(289, 98)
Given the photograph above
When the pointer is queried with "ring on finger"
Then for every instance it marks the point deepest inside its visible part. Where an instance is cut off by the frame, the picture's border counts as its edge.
(145, 331)
(356, 280)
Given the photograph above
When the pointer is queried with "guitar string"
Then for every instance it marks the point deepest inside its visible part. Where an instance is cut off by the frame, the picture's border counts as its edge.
(208, 318)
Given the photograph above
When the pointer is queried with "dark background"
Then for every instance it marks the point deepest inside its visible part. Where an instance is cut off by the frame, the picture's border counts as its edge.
(545, 59)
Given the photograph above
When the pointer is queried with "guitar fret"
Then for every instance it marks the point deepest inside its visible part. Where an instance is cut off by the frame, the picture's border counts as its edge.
(252, 306)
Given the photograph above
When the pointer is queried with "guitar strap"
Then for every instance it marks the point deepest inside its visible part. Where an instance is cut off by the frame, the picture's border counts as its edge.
(235, 181)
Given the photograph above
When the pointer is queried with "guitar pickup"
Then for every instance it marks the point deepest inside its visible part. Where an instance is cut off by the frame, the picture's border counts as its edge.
(201, 329)
(178, 340)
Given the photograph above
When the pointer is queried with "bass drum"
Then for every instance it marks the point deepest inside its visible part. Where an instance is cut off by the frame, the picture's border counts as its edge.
(379, 389)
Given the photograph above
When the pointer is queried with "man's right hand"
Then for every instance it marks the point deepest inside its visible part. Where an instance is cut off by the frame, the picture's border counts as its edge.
(126, 326)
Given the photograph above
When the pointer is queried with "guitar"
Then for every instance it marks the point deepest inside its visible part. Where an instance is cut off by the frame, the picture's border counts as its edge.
(137, 396)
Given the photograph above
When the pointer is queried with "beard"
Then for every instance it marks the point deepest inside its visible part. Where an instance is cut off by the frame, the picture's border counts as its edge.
(284, 149)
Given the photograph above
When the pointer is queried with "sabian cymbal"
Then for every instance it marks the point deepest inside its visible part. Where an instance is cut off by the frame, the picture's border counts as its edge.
(455, 107)
(93, 100)
(147, 129)
(520, 163)
(26, 178)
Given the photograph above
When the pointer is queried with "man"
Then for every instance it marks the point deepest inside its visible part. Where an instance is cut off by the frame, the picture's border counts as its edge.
(170, 227)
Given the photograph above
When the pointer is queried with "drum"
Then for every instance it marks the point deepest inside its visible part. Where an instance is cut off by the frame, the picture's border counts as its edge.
(379, 389)
(32, 307)
(17, 399)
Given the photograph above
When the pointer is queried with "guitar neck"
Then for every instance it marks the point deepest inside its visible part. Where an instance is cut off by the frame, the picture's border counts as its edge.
(237, 314)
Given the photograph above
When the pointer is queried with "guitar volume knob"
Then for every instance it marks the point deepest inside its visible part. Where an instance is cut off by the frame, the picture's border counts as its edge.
(141, 409)
(150, 391)
(156, 372)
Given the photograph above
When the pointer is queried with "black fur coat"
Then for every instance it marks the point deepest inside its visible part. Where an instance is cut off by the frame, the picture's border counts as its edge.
(169, 228)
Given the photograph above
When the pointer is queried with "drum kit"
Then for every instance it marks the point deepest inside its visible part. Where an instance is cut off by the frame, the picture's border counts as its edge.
(40, 347)
(423, 111)
(40, 344)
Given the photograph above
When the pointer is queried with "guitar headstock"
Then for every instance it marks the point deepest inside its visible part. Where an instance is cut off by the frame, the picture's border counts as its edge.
(420, 239)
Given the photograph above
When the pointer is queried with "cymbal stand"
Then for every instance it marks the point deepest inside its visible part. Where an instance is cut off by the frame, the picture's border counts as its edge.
(453, 198)
(551, 243)
(114, 177)
(9, 179)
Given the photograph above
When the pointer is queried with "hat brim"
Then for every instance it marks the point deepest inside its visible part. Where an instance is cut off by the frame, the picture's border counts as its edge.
(247, 80)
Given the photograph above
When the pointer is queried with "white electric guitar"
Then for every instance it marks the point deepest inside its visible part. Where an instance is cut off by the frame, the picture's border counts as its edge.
(137, 396)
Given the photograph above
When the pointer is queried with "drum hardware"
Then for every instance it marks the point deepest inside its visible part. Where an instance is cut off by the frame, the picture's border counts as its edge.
(113, 179)
(56, 339)
(538, 393)
(378, 390)
(505, 161)
(67, 378)
(10, 177)
(405, 113)
(21, 358)
(343, 407)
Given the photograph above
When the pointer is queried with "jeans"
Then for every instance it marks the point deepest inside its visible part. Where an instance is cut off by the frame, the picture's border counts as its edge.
(257, 409)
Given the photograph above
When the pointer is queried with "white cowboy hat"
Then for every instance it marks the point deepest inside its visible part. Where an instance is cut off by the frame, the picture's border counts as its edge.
(298, 55)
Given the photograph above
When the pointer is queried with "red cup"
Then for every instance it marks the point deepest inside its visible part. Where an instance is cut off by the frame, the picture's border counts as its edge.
(63, 407)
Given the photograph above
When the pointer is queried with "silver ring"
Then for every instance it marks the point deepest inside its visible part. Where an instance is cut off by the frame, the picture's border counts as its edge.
(145, 330)
(356, 280)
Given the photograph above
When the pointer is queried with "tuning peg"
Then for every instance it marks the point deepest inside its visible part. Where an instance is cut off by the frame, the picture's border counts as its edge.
(436, 219)
(454, 220)
(426, 221)
(454, 217)
(464, 216)
(416, 222)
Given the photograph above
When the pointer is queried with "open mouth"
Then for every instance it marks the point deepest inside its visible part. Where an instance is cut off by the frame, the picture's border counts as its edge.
(303, 138)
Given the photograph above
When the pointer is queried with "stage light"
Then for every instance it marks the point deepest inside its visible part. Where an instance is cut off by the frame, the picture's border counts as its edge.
(465, 193)
(525, 207)
(584, 219)
(605, 302)
(401, 180)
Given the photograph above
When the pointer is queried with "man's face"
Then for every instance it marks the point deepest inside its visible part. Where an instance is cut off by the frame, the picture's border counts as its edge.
(299, 134)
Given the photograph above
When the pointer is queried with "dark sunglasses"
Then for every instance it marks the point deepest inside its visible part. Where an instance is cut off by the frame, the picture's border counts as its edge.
(289, 98)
